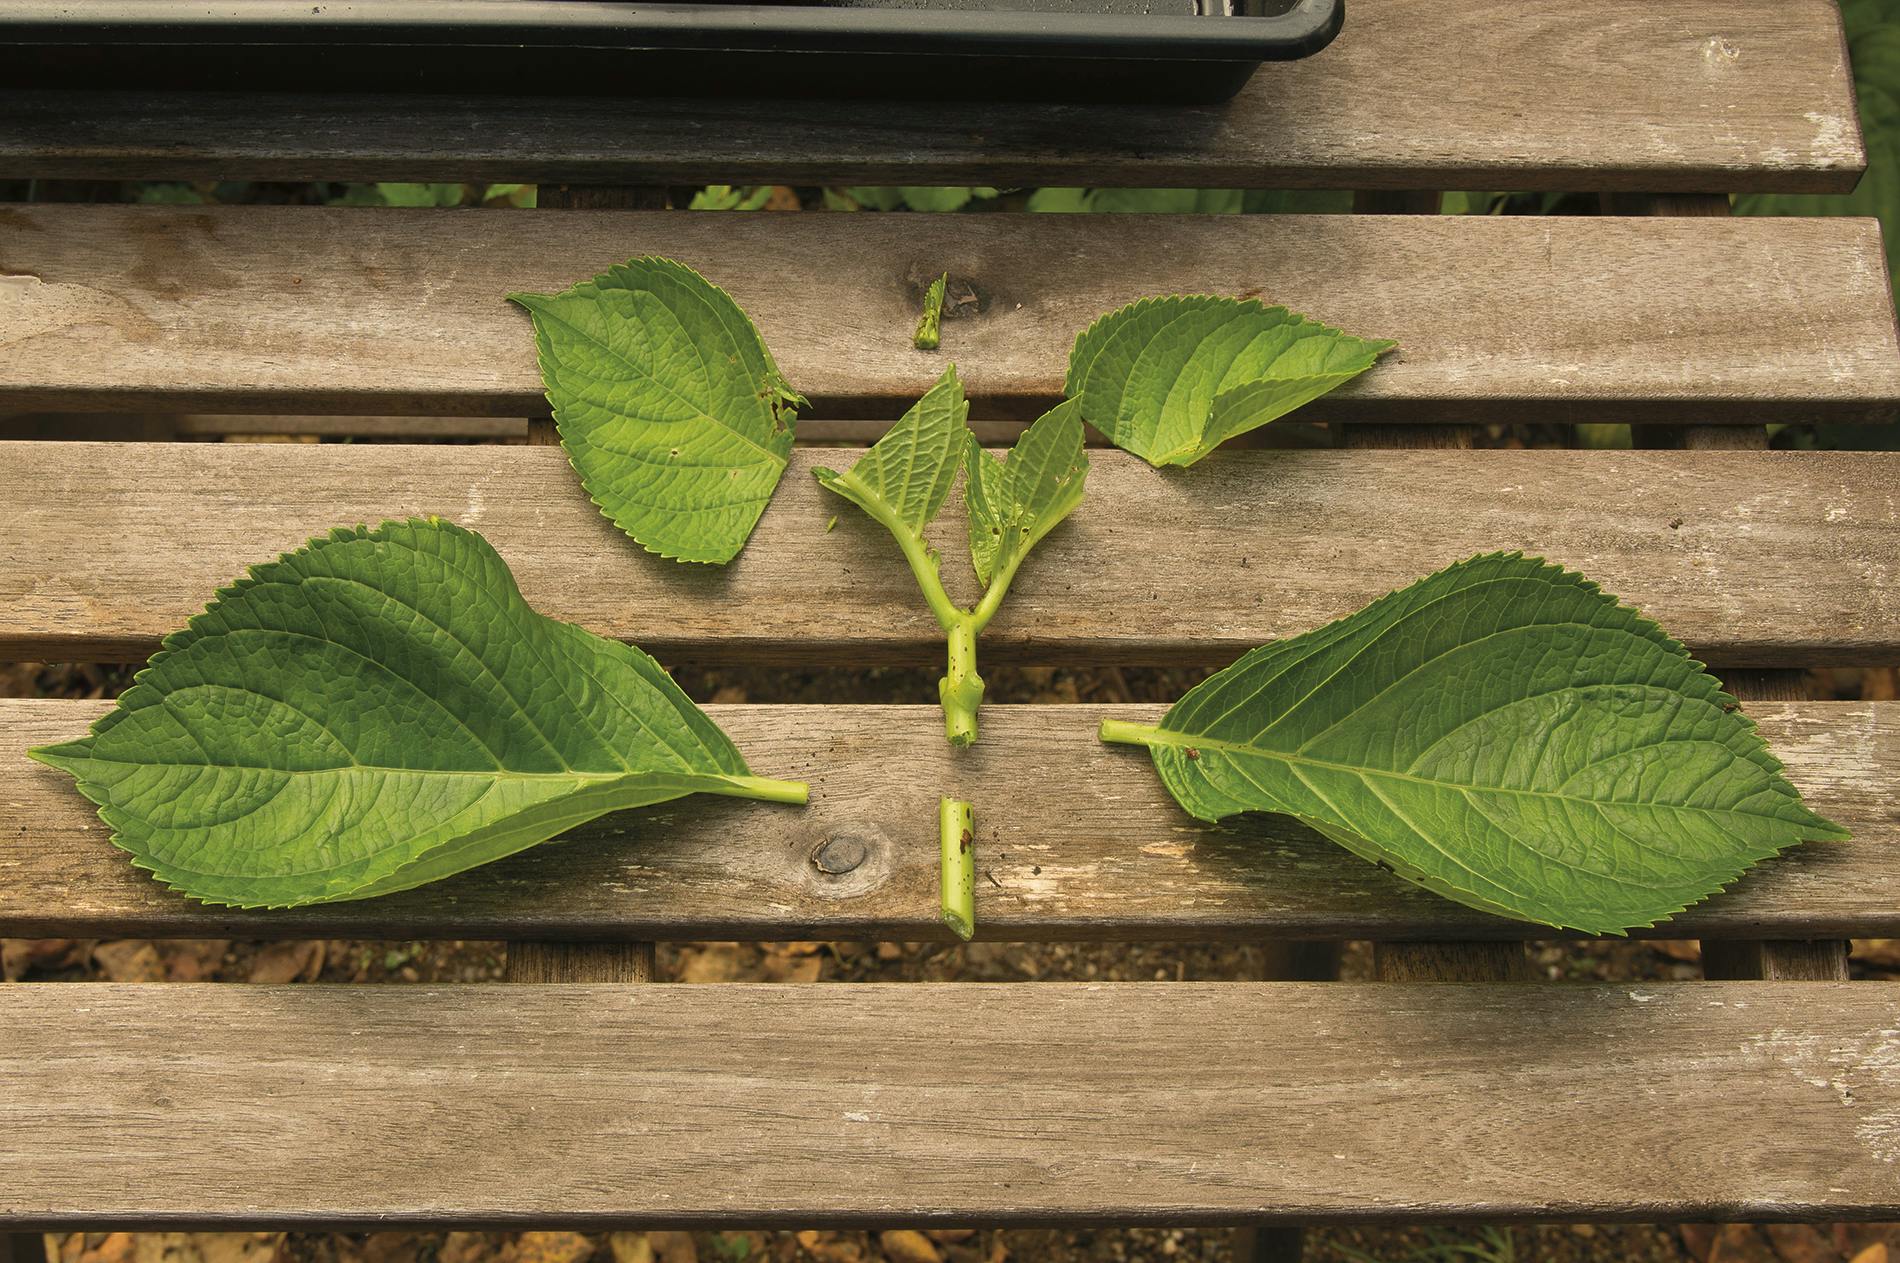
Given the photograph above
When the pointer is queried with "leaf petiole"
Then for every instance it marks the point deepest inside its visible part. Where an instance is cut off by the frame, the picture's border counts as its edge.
(765, 789)
(1121, 732)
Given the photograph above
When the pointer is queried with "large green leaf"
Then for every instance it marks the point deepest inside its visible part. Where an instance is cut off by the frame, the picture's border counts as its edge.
(377, 710)
(1873, 39)
(668, 403)
(1172, 378)
(1014, 503)
(1503, 733)
(903, 480)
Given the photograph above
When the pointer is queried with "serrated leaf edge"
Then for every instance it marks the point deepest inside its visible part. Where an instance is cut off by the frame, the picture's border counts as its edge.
(1640, 624)
(180, 639)
(785, 402)
(1186, 456)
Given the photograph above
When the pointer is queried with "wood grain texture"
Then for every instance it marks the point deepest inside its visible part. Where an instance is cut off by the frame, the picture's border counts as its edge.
(1097, 851)
(1715, 95)
(378, 311)
(1751, 558)
(1778, 960)
(944, 1104)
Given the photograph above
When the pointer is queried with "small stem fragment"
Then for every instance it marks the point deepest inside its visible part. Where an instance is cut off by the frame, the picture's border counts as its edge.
(930, 328)
(956, 838)
(1121, 732)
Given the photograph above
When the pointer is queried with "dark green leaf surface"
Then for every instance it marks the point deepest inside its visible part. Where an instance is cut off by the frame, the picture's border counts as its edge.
(1503, 733)
(377, 710)
(669, 405)
(1170, 379)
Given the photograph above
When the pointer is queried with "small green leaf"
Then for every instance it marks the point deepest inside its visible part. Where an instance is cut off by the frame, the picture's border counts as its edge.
(1013, 504)
(1170, 379)
(522, 195)
(1503, 733)
(422, 194)
(668, 403)
(726, 197)
(929, 335)
(377, 710)
(905, 477)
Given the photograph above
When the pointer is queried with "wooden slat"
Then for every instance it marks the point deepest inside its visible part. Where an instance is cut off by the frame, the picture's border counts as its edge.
(1694, 94)
(1751, 558)
(796, 1106)
(308, 309)
(1097, 850)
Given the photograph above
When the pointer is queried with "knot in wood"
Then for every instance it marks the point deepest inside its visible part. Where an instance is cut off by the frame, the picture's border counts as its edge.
(840, 854)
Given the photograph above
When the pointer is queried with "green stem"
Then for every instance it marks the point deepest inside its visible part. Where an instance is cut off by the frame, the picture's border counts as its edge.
(961, 688)
(1121, 732)
(956, 843)
(768, 790)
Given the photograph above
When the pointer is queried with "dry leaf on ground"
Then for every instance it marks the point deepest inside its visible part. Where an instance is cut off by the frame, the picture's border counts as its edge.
(129, 960)
(904, 1246)
(300, 960)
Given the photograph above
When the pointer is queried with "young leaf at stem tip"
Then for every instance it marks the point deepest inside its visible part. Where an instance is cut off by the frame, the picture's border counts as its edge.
(1502, 732)
(377, 710)
(902, 483)
(1171, 378)
(669, 406)
(929, 335)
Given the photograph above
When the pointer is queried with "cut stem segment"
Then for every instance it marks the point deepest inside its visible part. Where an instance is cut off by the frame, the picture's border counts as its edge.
(956, 841)
(1121, 732)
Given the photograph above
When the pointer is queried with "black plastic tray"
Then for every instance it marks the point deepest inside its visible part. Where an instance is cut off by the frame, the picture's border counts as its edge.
(1118, 50)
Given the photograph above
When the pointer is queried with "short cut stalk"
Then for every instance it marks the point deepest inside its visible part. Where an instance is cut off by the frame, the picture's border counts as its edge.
(765, 789)
(1121, 732)
(956, 841)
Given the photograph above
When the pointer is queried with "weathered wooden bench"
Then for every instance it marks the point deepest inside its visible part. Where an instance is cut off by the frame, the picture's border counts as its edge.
(1771, 1091)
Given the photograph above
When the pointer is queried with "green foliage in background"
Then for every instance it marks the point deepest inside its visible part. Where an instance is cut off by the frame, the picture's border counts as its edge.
(1873, 38)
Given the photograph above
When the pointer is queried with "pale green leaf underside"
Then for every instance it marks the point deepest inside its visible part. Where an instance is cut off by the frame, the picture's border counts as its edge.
(670, 407)
(377, 710)
(1013, 503)
(1505, 734)
(1170, 379)
(906, 475)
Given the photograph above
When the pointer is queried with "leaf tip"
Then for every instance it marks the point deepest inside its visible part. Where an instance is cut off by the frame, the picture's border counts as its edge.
(66, 756)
